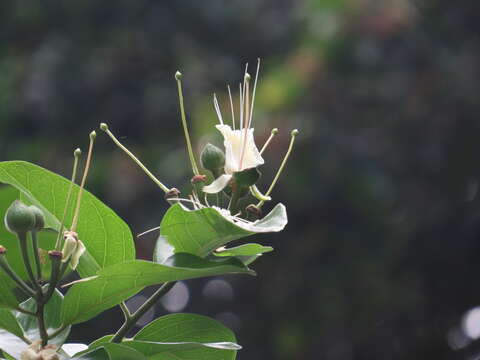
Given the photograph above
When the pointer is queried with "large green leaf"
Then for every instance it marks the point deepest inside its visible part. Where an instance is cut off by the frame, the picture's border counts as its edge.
(52, 319)
(116, 283)
(107, 238)
(199, 232)
(188, 328)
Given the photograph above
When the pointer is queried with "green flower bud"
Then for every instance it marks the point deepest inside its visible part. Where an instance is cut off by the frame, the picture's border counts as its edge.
(39, 217)
(212, 158)
(19, 218)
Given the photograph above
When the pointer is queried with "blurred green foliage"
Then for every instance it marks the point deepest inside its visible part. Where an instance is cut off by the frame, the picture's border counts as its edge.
(381, 255)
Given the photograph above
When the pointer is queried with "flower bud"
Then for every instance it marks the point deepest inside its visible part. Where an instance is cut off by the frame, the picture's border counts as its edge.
(19, 218)
(172, 193)
(254, 210)
(198, 179)
(212, 158)
(39, 217)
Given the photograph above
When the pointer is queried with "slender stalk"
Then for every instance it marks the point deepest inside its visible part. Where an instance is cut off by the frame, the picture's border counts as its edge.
(232, 206)
(272, 135)
(76, 154)
(104, 127)
(280, 169)
(84, 179)
(132, 320)
(178, 77)
(36, 255)
(10, 272)
(55, 258)
(125, 311)
(22, 237)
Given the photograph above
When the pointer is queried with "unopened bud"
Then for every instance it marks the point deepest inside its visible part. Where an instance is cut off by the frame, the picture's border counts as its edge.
(212, 158)
(198, 179)
(172, 193)
(254, 210)
(3, 250)
(19, 218)
(55, 254)
(39, 217)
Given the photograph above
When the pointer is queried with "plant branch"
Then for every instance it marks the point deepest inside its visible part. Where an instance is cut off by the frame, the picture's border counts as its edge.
(36, 256)
(132, 320)
(22, 237)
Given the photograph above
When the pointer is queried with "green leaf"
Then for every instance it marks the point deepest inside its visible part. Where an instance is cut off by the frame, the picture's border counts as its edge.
(189, 328)
(150, 348)
(52, 319)
(122, 352)
(9, 322)
(89, 297)
(7, 297)
(244, 250)
(199, 232)
(97, 354)
(107, 238)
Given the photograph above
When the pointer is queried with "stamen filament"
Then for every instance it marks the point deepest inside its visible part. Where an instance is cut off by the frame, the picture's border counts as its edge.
(231, 106)
(272, 135)
(246, 97)
(253, 94)
(217, 108)
(93, 135)
(178, 77)
(280, 169)
(76, 155)
(104, 127)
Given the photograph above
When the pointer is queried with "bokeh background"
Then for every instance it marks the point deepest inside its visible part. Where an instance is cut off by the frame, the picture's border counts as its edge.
(382, 254)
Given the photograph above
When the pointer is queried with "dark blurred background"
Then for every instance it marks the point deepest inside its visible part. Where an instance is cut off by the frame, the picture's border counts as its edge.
(381, 256)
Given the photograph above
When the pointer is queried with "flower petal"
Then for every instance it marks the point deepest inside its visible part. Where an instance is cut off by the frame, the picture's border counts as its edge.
(234, 142)
(218, 184)
(77, 254)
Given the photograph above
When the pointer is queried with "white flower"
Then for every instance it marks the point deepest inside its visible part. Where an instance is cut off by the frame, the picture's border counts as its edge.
(73, 248)
(241, 153)
(36, 352)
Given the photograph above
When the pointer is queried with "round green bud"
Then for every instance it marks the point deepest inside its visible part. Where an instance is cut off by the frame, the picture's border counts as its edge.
(19, 218)
(295, 132)
(39, 217)
(212, 158)
(275, 131)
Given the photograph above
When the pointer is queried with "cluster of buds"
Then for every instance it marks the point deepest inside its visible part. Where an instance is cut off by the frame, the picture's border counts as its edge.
(24, 221)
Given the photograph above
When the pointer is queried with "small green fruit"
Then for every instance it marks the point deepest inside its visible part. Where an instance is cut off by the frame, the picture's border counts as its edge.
(39, 217)
(212, 158)
(19, 218)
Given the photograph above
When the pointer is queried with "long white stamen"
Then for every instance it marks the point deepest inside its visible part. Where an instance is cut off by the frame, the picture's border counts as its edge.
(148, 231)
(231, 106)
(245, 122)
(217, 108)
(241, 106)
(253, 94)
